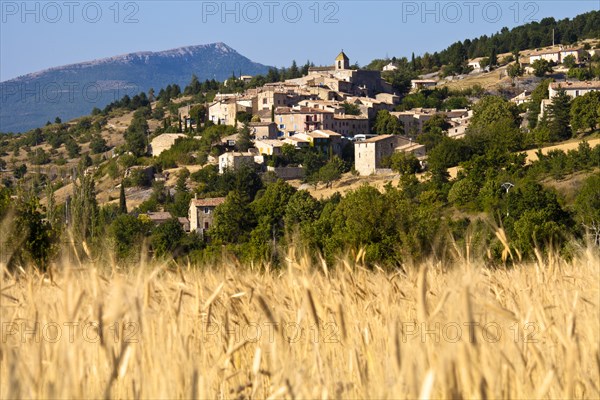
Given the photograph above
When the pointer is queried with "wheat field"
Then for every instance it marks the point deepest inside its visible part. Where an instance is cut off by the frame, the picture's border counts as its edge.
(307, 330)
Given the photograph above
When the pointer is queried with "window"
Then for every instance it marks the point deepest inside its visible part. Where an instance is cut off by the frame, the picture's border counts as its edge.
(206, 225)
(265, 100)
(206, 210)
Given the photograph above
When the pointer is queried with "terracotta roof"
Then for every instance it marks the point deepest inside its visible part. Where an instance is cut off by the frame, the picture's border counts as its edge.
(260, 123)
(378, 138)
(211, 202)
(159, 215)
(576, 85)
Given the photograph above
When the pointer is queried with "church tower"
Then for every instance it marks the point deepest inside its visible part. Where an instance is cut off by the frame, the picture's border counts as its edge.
(342, 61)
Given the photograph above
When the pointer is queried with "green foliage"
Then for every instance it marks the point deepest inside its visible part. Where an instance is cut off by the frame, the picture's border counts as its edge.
(98, 144)
(127, 232)
(300, 211)
(538, 94)
(185, 151)
(491, 109)
(40, 157)
(400, 78)
(515, 70)
(166, 237)
(535, 218)
(329, 172)
(587, 207)
(582, 74)
(73, 149)
(585, 112)
(569, 61)
(136, 136)
(233, 220)
(34, 241)
(20, 171)
(463, 192)
(559, 117)
(122, 200)
(244, 140)
(387, 124)
(351, 109)
(83, 210)
(541, 67)
(405, 163)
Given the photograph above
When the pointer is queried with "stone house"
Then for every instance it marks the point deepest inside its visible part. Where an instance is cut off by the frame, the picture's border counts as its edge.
(164, 142)
(201, 213)
(234, 160)
(369, 154)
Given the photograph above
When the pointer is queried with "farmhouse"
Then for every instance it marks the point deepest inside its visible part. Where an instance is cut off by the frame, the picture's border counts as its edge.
(232, 161)
(573, 89)
(418, 84)
(369, 154)
(269, 147)
(201, 212)
(163, 142)
(263, 130)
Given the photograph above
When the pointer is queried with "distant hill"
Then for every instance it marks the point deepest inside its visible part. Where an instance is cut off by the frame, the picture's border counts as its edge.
(74, 90)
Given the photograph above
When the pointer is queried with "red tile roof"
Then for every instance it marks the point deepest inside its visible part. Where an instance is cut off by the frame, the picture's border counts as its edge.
(212, 202)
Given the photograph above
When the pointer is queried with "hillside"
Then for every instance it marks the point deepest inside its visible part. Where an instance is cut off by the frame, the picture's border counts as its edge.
(74, 90)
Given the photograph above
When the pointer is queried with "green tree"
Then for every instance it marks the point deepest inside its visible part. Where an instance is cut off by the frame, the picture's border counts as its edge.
(98, 144)
(585, 112)
(559, 116)
(463, 192)
(122, 200)
(569, 61)
(166, 237)
(387, 124)
(541, 67)
(492, 109)
(20, 171)
(233, 220)
(244, 140)
(514, 70)
(533, 108)
(301, 210)
(587, 207)
(136, 136)
(493, 61)
(331, 171)
(83, 210)
(351, 109)
(34, 240)
(405, 163)
(127, 233)
(73, 148)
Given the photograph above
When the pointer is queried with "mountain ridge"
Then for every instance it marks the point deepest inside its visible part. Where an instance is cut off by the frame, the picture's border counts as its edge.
(70, 91)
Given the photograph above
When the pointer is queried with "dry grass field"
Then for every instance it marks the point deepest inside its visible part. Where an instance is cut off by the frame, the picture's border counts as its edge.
(305, 331)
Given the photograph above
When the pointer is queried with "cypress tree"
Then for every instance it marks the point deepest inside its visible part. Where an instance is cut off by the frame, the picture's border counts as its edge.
(559, 116)
(122, 200)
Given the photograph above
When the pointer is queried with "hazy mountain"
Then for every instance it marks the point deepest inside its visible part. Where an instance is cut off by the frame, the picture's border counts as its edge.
(74, 90)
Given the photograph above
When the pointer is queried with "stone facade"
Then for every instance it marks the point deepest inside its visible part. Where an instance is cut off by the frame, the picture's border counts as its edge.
(201, 213)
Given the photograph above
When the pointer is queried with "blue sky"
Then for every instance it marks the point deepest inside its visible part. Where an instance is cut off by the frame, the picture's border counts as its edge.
(39, 35)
